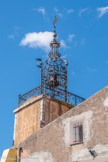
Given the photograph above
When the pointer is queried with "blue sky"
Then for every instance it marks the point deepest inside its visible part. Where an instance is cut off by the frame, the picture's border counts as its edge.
(25, 31)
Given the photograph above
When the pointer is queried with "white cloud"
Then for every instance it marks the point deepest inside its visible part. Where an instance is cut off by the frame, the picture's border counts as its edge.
(15, 33)
(70, 11)
(39, 40)
(82, 11)
(41, 10)
(60, 15)
(63, 44)
(56, 9)
(102, 11)
(70, 37)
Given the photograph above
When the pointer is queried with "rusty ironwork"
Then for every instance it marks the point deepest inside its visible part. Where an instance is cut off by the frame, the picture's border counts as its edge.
(53, 76)
(59, 95)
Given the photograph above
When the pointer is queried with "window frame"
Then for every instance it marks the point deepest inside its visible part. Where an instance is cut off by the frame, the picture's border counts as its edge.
(75, 136)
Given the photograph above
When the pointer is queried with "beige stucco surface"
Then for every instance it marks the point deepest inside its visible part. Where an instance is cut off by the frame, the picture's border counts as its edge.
(27, 121)
(53, 110)
(53, 140)
(34, 114)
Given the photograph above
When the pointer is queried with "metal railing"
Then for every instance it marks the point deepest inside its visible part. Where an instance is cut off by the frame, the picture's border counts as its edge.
(59, 94)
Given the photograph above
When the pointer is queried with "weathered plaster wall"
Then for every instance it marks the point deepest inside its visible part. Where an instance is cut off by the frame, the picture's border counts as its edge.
(53, 110)
(34, 114)
(27, 121)
(53, 139)
(40, 157)
(86, 119)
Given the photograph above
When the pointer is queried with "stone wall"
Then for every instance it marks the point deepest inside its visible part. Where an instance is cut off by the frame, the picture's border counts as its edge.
(54, 140)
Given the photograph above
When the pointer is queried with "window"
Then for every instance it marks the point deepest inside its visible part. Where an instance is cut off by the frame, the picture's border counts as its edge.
(76, 134)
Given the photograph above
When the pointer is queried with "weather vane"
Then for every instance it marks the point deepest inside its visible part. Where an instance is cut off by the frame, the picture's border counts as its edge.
(54, 22)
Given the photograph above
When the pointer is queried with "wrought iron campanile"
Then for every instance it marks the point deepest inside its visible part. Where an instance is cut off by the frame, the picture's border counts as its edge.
(53, 76)
(54, 71)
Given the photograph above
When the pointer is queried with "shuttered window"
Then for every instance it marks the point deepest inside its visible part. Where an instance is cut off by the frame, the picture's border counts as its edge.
(78, 133)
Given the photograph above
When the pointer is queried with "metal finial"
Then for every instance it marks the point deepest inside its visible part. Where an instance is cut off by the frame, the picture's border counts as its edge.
(55, 20)
(54, 43)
